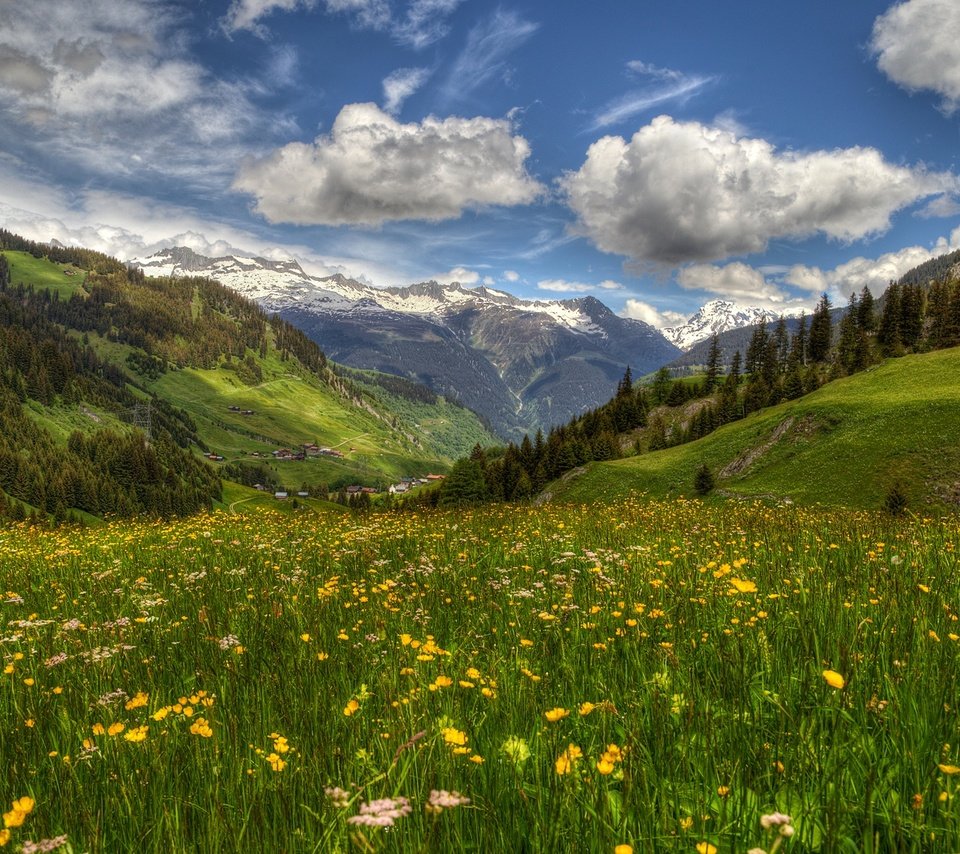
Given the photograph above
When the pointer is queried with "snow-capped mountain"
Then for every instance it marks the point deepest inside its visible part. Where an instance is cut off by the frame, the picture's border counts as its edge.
(713, 318)
(523, 364)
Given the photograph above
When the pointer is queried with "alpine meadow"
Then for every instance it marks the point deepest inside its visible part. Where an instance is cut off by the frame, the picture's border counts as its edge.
(489, 426)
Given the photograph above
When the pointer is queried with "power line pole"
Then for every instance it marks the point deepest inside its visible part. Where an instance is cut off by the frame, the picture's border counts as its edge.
(142, 419)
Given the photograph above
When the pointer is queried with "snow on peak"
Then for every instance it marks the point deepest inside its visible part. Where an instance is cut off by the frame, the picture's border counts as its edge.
(713, 318)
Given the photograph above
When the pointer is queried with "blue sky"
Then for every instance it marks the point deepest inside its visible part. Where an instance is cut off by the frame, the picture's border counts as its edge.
(654, 154)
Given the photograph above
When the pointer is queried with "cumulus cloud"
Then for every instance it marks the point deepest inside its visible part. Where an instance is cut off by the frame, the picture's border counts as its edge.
(511, 275)
(637, 309)
(737, 282)
(400, 85)
(371, 169)
(916, 46)
(459, 275)
(682, 191)
(109, 85)
(485, 55)
(873, 273)
(562, 286)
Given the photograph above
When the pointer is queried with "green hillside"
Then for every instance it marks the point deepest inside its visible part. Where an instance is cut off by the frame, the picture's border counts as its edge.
(93, 352)
(845, 444)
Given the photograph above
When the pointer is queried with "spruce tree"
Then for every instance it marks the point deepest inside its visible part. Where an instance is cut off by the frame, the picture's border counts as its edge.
(713, 365)
(818, 347)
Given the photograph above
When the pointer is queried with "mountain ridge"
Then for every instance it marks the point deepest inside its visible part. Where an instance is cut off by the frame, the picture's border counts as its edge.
(523, 364)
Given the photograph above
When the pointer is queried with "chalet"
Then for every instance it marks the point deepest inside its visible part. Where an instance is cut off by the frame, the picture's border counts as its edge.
(283, 454)
(280, 496)
(303, 494)
(311, 450)
(329, 452)
(369, 490)
(399, 488)
(354, 489)
(435, 477)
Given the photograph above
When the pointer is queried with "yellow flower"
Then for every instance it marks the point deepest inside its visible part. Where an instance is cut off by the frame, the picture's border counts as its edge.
(706, 848)
(276, 763)
(135, 702)
(201, 727)
(604, 766)
(744, 585)
(305, 637)
(567, 759)
(454, 736)
(834, 679)
(949, 769)
(21, 809)
(351, 707)
(723, 791)
(441, 682)
(623, 849)
(586, 708)
(98, 729)
(556, 714)
(4, 837)
(115, 729)
(137, 734)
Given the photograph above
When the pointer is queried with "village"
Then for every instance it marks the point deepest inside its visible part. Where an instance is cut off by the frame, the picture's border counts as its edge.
(311, 450)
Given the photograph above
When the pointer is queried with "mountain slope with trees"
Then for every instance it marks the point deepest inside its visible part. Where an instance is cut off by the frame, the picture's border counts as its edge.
(95, 356)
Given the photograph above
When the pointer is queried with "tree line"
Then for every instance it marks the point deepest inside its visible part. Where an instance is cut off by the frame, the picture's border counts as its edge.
(775, 367)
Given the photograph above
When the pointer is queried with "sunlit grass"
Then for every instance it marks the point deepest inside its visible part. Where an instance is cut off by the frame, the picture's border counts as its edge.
(653, 674)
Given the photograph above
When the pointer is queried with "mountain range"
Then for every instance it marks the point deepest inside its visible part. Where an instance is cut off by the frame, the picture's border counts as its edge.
(521, 364)
(714, 318)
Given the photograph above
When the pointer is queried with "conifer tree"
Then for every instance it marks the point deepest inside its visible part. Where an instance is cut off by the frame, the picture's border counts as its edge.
(713, 365)
(888, 333)
(818, 346)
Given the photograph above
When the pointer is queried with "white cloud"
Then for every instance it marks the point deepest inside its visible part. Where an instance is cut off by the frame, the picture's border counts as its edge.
(918, 47)
(424, 23)
(683, 191)
(873, 273)
(668, 85)
(941, 206)
(109, 85)
(639, 310)
(460, 275)
(564, 287)
(246, 14)
(485, 55)
(511, 275)
(561, 286)
(371, 169)
(736, 282)
(400, 85)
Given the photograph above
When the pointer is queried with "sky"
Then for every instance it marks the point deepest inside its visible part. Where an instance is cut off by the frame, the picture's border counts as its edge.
(655, 154)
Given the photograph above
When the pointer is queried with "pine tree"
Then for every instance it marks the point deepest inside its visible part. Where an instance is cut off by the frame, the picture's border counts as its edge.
(703, 480)
(713, 365)
(888, 333)
(866, 311)
(818, 347)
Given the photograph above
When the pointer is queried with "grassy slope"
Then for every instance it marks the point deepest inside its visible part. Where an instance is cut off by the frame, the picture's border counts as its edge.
(292, 408)
(43, 274)
(846, 445)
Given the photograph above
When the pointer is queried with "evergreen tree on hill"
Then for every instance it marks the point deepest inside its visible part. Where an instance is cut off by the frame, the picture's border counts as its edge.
(818, 346)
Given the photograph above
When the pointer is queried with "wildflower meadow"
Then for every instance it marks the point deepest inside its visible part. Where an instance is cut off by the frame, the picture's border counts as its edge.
(643, 676)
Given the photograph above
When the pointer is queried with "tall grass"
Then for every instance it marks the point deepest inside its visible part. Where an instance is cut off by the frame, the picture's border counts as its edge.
(648, 673)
